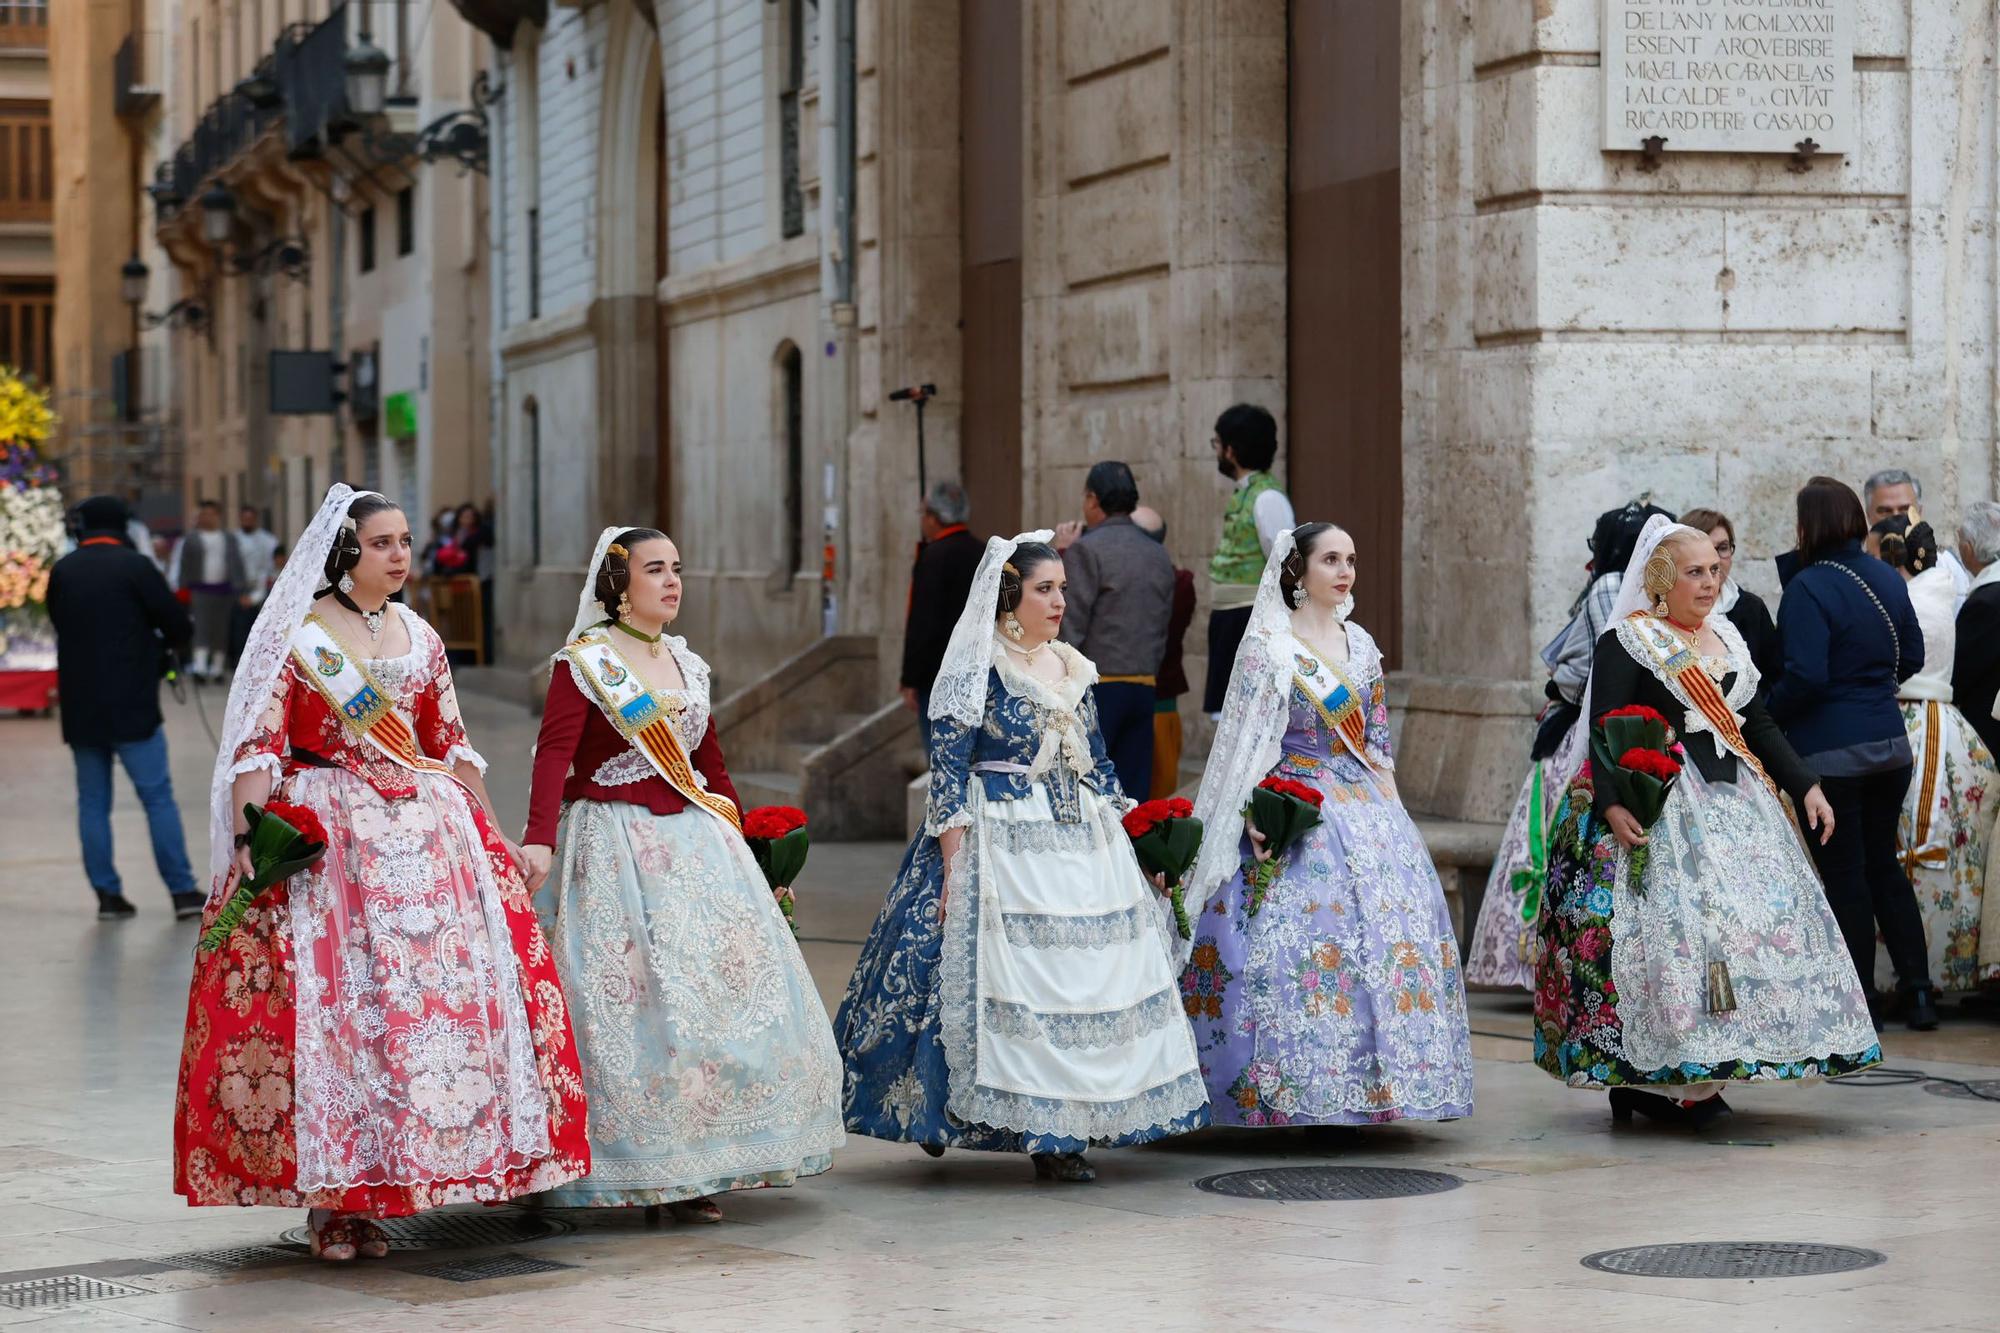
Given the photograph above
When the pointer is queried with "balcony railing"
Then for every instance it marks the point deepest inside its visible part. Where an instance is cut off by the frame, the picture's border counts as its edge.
(312, 71)
(229, 126)
(24, 23)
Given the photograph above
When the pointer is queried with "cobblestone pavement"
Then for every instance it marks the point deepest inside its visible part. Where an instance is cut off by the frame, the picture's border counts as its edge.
(891, 1239)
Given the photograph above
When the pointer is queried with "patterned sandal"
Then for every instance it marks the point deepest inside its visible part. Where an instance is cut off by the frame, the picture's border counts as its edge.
(696, 1210)
(330, 1236)
(369, 1240)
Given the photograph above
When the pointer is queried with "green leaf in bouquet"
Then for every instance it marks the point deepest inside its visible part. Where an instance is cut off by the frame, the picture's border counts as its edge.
(788, 857)
(1183, 841)
(1629, 733)
(1644, 795)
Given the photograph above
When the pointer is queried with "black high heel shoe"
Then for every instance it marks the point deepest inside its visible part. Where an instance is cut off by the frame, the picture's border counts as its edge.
(1922, 1013)
(1624, 1101)
(1708, 1110)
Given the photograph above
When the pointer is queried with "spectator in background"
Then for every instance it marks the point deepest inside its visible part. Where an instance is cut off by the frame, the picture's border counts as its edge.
(1172, 681)
(1975, 675)
(1120, 602)
(1851, 638)
(256, 545)
(939, 584)
(114, 618)
(209, 564)
(442, 527)
(1743, 608)
(473, 537)
(1894, 491)
(1246, 444)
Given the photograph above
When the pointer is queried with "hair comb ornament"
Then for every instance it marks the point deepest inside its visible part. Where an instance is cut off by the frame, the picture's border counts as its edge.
(1008, 566)
(617, 550)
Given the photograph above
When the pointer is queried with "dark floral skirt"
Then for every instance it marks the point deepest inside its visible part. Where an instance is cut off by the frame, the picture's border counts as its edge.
(1578, 1031)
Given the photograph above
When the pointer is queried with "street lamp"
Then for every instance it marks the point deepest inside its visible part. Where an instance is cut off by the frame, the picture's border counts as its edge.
(259, 89)
(166, 195)
(367, 69)
(132, 277)
(218, 214)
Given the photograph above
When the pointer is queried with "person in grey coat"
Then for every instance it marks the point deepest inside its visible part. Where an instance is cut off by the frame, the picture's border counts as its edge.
(1120, 603)
(209, 567)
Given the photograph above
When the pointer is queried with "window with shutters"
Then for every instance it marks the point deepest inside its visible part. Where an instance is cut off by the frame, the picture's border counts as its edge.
(27, 163)
(24, 23)
(27, 327)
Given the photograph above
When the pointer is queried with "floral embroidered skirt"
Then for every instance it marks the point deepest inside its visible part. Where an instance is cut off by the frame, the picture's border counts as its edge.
(1944, 837)
(1040, 1015)
(1340, 1001)
(1503, 938)
(706, 1052)
(384, 1033)
(1626, 991)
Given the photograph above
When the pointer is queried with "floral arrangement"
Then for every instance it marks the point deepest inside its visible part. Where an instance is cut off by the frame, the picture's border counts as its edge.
(1282, 810)
(31, 525)
(778, 839)
(284, 839)
(1639, 749)
(1166, 837)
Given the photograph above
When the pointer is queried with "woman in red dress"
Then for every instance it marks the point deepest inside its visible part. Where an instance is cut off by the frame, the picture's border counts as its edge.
(384, 1032)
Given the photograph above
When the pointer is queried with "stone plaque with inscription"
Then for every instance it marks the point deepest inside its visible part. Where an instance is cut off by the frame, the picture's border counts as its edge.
(1729, 76)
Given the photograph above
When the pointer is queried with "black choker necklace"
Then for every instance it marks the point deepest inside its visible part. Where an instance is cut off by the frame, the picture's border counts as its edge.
(370, 620)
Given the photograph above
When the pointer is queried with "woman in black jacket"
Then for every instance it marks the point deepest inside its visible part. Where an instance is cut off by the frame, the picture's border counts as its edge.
(1850, 639)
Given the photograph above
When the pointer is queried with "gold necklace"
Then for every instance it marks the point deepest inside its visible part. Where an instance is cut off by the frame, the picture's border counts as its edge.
(1027, 655)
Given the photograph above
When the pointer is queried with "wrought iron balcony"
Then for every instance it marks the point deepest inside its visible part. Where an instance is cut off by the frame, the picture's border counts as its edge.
(135, 89)
(499, 18)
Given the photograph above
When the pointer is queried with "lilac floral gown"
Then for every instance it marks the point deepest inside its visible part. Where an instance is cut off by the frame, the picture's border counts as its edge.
(1340, 1000)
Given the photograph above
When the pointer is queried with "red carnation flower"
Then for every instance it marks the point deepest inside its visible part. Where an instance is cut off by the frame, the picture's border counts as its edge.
(1650, 762)
(1639, 711)
(773, 821)
(299, 817)
(1297, 790)
(1179, 807)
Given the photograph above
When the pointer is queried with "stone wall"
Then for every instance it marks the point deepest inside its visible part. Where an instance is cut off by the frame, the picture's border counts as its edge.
(1579, 330)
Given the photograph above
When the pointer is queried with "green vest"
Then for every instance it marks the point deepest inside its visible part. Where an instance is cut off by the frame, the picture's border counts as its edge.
(1239, 556)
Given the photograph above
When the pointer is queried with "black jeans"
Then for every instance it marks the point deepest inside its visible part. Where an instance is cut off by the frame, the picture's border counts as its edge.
(1225, 636)
(1865, 883)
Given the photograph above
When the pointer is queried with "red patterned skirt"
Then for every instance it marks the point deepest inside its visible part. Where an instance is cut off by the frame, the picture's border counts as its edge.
(382, 1061)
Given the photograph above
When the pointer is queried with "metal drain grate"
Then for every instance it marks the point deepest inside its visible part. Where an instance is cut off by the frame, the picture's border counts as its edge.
(1320, 1184)
(1978, 1089)
(1733, 1258)
(459, 1231)
(56, 1293)
(490, 1266)
(235, 1259)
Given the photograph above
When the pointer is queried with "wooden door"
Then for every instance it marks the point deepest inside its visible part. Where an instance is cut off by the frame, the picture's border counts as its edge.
(1344, 371)
(990, 274)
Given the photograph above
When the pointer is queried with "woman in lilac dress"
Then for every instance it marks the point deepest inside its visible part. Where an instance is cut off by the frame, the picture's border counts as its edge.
(1337, 1000)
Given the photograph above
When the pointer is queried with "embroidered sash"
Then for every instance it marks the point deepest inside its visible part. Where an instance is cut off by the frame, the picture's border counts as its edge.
(1339, 702)
(356, 698)
(642, 720)
(1679, 667)
(1921, 851)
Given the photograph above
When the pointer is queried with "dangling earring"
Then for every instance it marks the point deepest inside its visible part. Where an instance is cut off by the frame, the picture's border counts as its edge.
(1014, 628)
(347, 583)
(625, 605)
(1660, 608)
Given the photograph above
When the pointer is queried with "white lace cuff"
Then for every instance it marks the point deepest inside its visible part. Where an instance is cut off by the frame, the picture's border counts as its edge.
(935, 828)
(465, 754)
(264, 760)
(1380, 758)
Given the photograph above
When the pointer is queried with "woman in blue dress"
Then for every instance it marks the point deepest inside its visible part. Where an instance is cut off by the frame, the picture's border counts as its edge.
(1017, 993)
(1333, 995)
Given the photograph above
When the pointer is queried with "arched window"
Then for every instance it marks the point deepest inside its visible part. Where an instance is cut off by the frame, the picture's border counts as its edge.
(791, 375)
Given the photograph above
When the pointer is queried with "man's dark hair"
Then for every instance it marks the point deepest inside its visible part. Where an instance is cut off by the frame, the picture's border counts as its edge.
(1830, 516)
(1251, 433)
(216, 505)
(103, 513)
(1113, 485)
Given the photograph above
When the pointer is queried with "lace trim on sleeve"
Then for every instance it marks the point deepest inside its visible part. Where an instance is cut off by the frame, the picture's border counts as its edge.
(467, 754)
(251, 763)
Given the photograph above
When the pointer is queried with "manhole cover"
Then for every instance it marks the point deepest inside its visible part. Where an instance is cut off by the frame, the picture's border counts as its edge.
(236, 1259)
(1320, 1184)
(1733, 1258)
(1978, 1089)
(489, 1266)
(458, 1231)
(55, 1293)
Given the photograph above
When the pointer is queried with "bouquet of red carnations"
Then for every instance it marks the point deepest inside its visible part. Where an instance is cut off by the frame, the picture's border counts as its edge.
(1637, 749)
(778, 839)
(1282, 810)
(284, 839)
(1166, 838)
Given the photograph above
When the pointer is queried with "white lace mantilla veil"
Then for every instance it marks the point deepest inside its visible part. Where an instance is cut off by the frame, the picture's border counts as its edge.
(298, 585)
(1631, 597)
(959, 693)
(1249, 740)
(589, 611)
